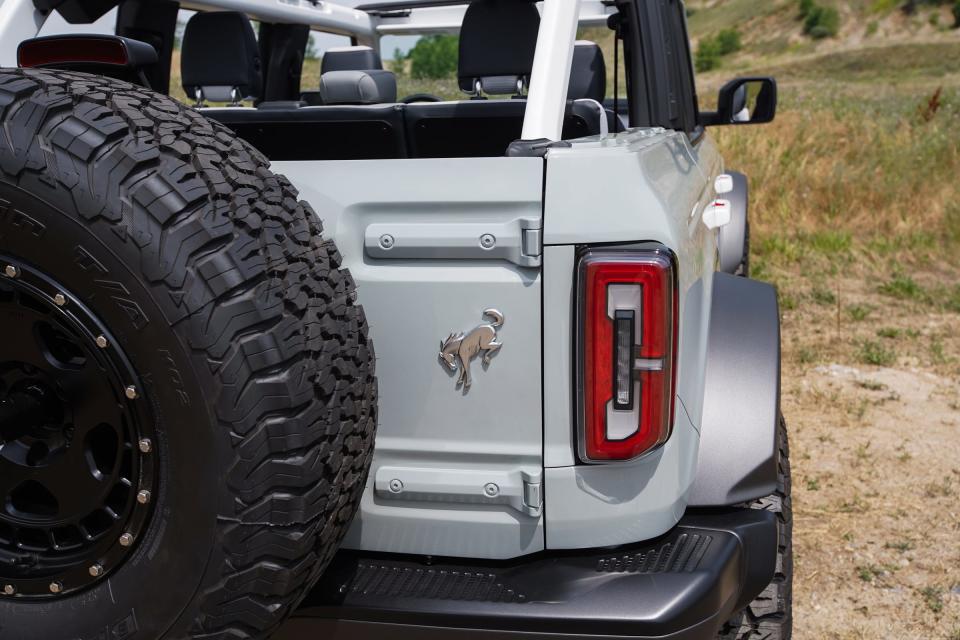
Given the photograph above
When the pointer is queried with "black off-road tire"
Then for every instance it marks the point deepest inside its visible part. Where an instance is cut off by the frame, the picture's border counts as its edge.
(770, 615)
(243, 328)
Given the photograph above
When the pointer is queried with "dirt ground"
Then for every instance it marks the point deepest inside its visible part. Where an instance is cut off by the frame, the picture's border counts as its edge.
(876, 458)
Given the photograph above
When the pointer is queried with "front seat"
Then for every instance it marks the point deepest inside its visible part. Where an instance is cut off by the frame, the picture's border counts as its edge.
(588, 84)
(220, 59)
(498, 40)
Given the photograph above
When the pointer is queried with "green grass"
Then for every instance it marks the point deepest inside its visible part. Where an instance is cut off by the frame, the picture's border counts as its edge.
(859, 312)
(873, 353)
(824, 297)
(903, 287)
(933, 598)
(901, 545)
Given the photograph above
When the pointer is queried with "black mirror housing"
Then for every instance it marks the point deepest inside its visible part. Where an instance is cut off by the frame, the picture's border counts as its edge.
(736, 97)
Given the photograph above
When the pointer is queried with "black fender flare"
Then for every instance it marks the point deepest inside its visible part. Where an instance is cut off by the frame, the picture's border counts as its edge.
(741, 406)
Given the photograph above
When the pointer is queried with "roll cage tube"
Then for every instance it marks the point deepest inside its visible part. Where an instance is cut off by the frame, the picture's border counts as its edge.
(19, 20)
(552, 62)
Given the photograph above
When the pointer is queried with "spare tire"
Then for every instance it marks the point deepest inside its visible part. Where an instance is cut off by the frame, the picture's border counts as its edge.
(187, 391)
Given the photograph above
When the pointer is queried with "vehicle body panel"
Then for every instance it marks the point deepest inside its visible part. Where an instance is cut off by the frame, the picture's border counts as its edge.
(431, 432)
(656, 185)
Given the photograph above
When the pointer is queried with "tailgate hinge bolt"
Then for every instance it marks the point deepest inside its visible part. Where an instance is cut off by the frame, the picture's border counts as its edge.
(488, 241)
(11, 271)
(387, 241)
(491, 490)
(396, 486)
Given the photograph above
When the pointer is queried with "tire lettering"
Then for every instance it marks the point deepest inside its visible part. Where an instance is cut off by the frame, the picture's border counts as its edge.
(175, 378)
(20, 221)
(116, 291)
(121, 630)
(119, 295)
(86, 262)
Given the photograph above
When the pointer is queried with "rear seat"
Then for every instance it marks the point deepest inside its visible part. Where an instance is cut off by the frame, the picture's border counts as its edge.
(358, 58)
(361, 124)
(360, 119)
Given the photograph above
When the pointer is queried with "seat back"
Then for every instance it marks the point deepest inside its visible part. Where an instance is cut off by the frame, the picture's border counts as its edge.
(485, 128)
(373, 132)
(220, 59)
(358, 87)
(357, 58)
(498, 39)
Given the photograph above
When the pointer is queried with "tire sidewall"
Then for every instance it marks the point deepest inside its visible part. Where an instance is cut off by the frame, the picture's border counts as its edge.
(149, 596)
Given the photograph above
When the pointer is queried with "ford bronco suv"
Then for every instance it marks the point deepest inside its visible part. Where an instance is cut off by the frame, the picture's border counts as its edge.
(314, 360)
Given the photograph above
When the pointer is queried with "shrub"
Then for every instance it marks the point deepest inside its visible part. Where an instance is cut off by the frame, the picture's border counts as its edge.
(434, 57)
(822, 22)
(956, 14)
(712, 49)
(806, 6)
(729, 41)
(708, 54)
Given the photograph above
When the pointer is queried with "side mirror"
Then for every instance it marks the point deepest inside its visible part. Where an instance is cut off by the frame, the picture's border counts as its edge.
(744, 101)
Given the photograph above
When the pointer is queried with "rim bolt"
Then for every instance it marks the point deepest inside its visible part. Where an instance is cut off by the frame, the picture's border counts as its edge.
(96, 570)
(146, 446)
(11, 271)
(131, 393)
(126, 540)
(102, 342)
(59, 300)
(9, 589)
(56, 587)
(143, 497)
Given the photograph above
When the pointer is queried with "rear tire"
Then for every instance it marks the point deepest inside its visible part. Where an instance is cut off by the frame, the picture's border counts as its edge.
(770, 615)
(255, 369)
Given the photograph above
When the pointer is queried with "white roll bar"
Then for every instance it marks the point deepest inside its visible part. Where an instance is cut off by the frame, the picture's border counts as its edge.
(19, 20)
(547, 100)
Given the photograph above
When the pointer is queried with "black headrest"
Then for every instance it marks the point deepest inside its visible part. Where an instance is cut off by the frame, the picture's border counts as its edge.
(588, 77)
(375, 86)
(498, 40)
(220, 54)
(350, 59)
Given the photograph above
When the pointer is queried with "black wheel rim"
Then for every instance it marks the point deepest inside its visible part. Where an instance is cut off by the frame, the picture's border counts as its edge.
(77, 450)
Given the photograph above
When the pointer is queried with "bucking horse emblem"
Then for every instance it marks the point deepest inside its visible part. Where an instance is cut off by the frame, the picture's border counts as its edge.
(459, 349)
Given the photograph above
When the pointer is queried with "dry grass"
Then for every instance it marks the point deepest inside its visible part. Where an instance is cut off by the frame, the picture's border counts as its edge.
(852, 172)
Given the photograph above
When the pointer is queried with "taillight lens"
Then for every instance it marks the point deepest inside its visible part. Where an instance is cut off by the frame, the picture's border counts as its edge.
(627, 354)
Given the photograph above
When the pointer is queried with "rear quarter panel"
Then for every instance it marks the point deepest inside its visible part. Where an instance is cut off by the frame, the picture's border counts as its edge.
(645, 185)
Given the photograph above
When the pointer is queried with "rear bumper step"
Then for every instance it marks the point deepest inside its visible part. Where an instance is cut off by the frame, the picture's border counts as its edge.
(683, 585)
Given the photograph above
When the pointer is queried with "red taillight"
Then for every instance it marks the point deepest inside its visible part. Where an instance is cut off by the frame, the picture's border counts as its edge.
(60, 50)
(627, 354)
